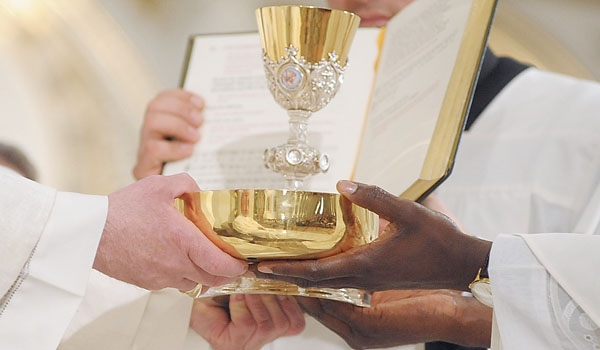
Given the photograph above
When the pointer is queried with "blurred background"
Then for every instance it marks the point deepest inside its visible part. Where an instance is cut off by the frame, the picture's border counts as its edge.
(76, 75)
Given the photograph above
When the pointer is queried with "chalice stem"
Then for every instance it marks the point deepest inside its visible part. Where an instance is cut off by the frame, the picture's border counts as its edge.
(298, 126)
(293, 184)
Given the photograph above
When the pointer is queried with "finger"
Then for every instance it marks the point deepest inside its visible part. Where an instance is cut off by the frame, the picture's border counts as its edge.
(221, 300)
(347, 212)
(242, 320)
(162, 125)
(276, 315)
(259, 310)
(212, 260)
(383, 203)
(181, 103)
(330, 271)
(200, 250)
(208, 320)
(160, 151)
(271, 321)
(200, 276)
(313, 307)
(398, 294)
(285, 313)
(147, 165)
(186, 285)
(179, 184)
(155, 153)
(294, 313)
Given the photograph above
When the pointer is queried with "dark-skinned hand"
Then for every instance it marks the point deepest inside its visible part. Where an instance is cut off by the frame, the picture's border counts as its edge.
(404, 317)
(418, 249)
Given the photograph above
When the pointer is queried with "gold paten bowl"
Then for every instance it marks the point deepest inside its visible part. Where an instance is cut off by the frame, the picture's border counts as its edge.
(267, 224)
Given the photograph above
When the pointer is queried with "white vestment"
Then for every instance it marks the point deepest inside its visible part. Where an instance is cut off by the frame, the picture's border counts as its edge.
(48, 242)
(529, 164)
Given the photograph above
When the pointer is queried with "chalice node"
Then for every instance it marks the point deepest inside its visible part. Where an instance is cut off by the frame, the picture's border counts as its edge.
(305, 52)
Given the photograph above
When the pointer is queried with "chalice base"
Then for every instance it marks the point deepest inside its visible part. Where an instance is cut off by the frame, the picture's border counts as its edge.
(247, 285)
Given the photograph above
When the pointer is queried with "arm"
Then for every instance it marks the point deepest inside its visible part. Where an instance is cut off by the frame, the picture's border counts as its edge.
(556, 279)
(136, 236)
(48, 243)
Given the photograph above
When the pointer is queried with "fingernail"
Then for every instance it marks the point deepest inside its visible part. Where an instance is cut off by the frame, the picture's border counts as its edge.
(345, 186)
(264, 269)
(197, 101)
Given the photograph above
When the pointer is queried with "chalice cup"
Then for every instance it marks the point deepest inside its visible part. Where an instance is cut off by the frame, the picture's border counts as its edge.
(305, 53)
(264, 224)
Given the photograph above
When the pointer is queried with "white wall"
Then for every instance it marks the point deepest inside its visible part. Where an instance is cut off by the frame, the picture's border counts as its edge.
(160, 29)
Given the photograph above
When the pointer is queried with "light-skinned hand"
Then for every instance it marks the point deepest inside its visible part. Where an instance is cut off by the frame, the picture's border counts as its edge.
(149, 243)
(169, 131)
(246, 321)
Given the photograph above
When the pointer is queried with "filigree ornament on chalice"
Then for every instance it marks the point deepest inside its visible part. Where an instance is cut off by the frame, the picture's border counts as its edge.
(305, 54)
(301, 88)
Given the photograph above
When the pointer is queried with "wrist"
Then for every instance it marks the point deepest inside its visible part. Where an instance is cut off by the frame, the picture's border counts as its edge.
(481, 287)
(472, 326)
(476, 258)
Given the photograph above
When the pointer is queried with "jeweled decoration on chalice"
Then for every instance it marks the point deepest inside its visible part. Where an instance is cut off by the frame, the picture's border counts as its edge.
(305, 53)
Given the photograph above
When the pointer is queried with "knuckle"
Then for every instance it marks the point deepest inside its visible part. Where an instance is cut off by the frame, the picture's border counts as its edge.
(265, 326)
(248, 324)
(376, 193)
(155, 102)
(314, 272)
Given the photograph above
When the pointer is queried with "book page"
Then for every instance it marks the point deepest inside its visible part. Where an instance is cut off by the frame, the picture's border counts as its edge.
(242, 118)
(418, 55)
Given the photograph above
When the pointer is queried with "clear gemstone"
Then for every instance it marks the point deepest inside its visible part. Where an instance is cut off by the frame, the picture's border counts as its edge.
(324, 162)
(294, 156)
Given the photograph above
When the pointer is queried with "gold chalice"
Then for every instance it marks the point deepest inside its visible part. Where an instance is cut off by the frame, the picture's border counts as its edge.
(258, 225)
(305, 53)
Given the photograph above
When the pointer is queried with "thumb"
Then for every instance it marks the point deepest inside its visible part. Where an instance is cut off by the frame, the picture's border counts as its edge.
(375, 199)
(181, 183)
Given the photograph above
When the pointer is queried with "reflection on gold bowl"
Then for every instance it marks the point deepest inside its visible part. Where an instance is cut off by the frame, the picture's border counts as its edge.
(256, 224)
(265, 224)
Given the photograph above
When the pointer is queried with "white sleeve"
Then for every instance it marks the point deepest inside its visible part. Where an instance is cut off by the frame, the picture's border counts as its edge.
(531, 309)
(38, 308)
(119, 316)
(25, 207)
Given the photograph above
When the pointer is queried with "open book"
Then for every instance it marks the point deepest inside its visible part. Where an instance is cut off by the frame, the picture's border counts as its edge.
(395, 122)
